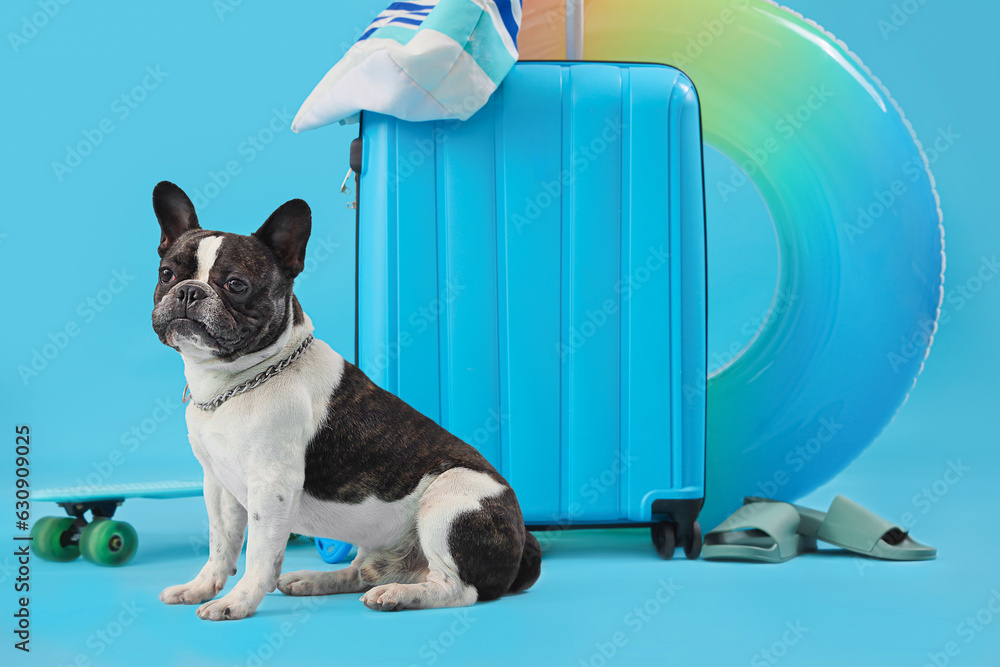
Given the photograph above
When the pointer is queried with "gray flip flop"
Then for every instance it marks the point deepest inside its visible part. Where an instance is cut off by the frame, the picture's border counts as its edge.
(850, 526)
(759, 532)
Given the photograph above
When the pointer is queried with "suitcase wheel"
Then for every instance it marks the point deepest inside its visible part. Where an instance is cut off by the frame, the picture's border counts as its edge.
(664, 538)
(692, 542)
(667, 534)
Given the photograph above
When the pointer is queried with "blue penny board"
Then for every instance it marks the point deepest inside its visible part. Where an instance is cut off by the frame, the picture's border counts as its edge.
(67, 494)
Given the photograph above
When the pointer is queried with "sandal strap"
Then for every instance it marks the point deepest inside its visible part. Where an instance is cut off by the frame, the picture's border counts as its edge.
(765, 517)
(850, 525)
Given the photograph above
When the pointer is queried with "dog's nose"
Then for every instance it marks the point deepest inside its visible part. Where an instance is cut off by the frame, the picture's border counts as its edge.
(188, 294)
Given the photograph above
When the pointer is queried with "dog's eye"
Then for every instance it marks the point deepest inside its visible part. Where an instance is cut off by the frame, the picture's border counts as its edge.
(166, 275)
(236, 285)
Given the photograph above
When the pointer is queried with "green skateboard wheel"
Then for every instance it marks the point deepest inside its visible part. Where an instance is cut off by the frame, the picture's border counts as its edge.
(46, 539)
(106, 542)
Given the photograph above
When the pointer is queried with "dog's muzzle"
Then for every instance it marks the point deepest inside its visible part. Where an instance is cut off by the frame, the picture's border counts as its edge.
(188, 294)
(192, 308)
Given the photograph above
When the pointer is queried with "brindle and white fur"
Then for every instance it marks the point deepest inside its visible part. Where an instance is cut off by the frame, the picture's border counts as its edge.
(318, 449)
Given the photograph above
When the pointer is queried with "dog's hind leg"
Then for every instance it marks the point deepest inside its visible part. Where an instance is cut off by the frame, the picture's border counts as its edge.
(310, 582)
(446, 506)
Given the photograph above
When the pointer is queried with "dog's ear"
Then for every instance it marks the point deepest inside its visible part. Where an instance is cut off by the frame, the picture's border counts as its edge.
(175, 213)
(286, 233)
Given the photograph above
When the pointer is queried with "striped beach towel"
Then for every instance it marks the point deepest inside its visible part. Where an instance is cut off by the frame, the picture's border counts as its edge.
(420, 60)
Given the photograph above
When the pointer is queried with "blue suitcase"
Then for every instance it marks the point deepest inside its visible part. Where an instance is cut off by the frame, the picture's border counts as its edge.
(533, 279)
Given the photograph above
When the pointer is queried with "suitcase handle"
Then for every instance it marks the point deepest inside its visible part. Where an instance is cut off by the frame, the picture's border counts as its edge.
(355, 169)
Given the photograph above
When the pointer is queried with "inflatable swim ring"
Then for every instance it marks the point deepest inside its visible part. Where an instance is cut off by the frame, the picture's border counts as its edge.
(860, 241)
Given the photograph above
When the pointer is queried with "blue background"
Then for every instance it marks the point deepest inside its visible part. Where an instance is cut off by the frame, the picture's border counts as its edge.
(112, 387)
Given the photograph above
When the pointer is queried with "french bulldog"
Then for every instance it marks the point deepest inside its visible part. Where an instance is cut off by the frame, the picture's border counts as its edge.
(294, 438)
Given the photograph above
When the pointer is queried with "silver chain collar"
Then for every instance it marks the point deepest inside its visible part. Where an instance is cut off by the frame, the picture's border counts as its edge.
(258, 379)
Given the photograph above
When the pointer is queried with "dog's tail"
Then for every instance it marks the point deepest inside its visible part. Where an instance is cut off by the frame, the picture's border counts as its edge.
(531, 564)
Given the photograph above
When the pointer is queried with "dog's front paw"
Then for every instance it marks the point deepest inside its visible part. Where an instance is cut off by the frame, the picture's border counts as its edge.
(193, 592)
(230, 607)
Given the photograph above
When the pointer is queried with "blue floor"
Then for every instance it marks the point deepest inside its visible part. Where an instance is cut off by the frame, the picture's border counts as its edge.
(603, 598)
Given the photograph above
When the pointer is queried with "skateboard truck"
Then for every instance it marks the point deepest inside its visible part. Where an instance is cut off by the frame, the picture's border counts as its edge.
(99, 509)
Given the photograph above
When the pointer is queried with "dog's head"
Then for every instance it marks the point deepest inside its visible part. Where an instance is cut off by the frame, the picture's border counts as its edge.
(221, 296)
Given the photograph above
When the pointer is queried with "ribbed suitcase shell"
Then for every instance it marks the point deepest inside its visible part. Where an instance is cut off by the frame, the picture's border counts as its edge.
(533, 279)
